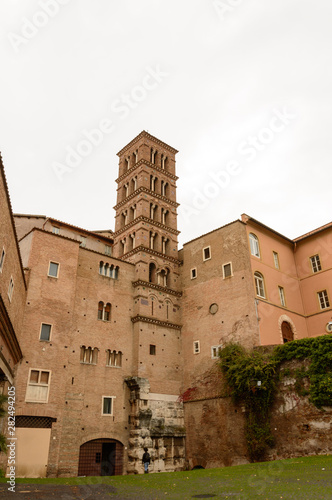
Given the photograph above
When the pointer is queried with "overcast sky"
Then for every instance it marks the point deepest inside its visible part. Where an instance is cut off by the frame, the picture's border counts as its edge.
(241, 88)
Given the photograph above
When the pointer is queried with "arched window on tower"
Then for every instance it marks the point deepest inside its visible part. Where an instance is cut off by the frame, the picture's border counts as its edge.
(124, 218)
(133, 212)
(152, 272)
(122, 247)
(152, 239)
(163, 161)
(153, 155)
(125, 190)
(165, 245)
(153, 209)
(164, 216)
(133, 184)
(164, 188)
(153, 183)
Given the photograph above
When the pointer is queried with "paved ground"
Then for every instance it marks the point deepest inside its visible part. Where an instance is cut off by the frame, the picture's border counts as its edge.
(55, 492)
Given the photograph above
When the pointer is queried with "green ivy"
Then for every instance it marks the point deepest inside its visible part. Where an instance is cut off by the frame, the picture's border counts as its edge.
(252, 378)
(3, 400)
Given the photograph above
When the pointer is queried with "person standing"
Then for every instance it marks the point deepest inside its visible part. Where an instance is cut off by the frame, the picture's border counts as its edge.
(146, 460)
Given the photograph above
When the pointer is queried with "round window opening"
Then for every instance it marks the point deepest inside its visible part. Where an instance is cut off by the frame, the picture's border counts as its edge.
(213, 308)
(328, 327)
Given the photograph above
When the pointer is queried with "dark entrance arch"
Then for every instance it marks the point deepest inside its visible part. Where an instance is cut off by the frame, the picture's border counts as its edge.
(287, 332)
(101, 457)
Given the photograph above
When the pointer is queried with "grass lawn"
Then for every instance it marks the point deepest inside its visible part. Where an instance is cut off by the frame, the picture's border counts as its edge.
(297, 478)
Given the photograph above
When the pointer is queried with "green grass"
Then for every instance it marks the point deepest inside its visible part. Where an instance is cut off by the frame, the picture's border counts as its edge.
(298, 478)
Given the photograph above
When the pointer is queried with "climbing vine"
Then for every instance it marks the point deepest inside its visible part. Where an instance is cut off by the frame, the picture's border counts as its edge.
(3, 400)
(252, 377)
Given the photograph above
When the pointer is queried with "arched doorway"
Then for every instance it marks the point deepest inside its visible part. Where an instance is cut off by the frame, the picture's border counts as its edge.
(287, 332)
(101, 457)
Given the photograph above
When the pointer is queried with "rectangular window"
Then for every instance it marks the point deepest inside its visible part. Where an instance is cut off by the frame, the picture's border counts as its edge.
(107, 405)
(215, 351)
(10, 289)
(276, 260)
(55, 230)
(45, 332)
(227, 270)
(108, 250)
(38, 386)
(193, 273)
(53, 269)
(206, 253)
(196, 347)
(152, 350)
(315, 263)
(323, 299)
(83, 241)
(2, 259)
(282, 296)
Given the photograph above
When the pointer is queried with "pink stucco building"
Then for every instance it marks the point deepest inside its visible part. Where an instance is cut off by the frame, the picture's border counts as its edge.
(292, 281)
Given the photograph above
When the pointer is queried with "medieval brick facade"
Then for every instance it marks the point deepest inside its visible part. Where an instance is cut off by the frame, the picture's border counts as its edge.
(119, 328)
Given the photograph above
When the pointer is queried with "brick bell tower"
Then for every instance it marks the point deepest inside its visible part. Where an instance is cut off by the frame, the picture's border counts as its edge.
(146, 235)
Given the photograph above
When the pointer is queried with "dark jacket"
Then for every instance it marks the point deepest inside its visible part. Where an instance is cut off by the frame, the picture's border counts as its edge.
(146, 457)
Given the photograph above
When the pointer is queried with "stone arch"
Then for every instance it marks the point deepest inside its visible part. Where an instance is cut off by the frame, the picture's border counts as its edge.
(101, 457)
(286, 319)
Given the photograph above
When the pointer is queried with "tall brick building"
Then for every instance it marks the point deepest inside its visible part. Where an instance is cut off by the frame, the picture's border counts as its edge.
(119, 327)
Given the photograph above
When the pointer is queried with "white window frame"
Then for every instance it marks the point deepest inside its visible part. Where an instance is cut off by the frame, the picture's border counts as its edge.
(261, 281)
(10, 289)
(276, 259)
(282, 296)
(38, 384)
(40, 332)
(315, 263)
(196, 347)
(193, 271)
(58, 270)
(112, 406)
(223, 270)
(215, 350)
(205, 248)
(254, 245)
(55, 230)
(2, 259)
(323, 299)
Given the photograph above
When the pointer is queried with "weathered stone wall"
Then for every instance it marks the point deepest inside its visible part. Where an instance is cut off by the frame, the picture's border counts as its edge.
(215, 425)
(298, 426)
(157, 423)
